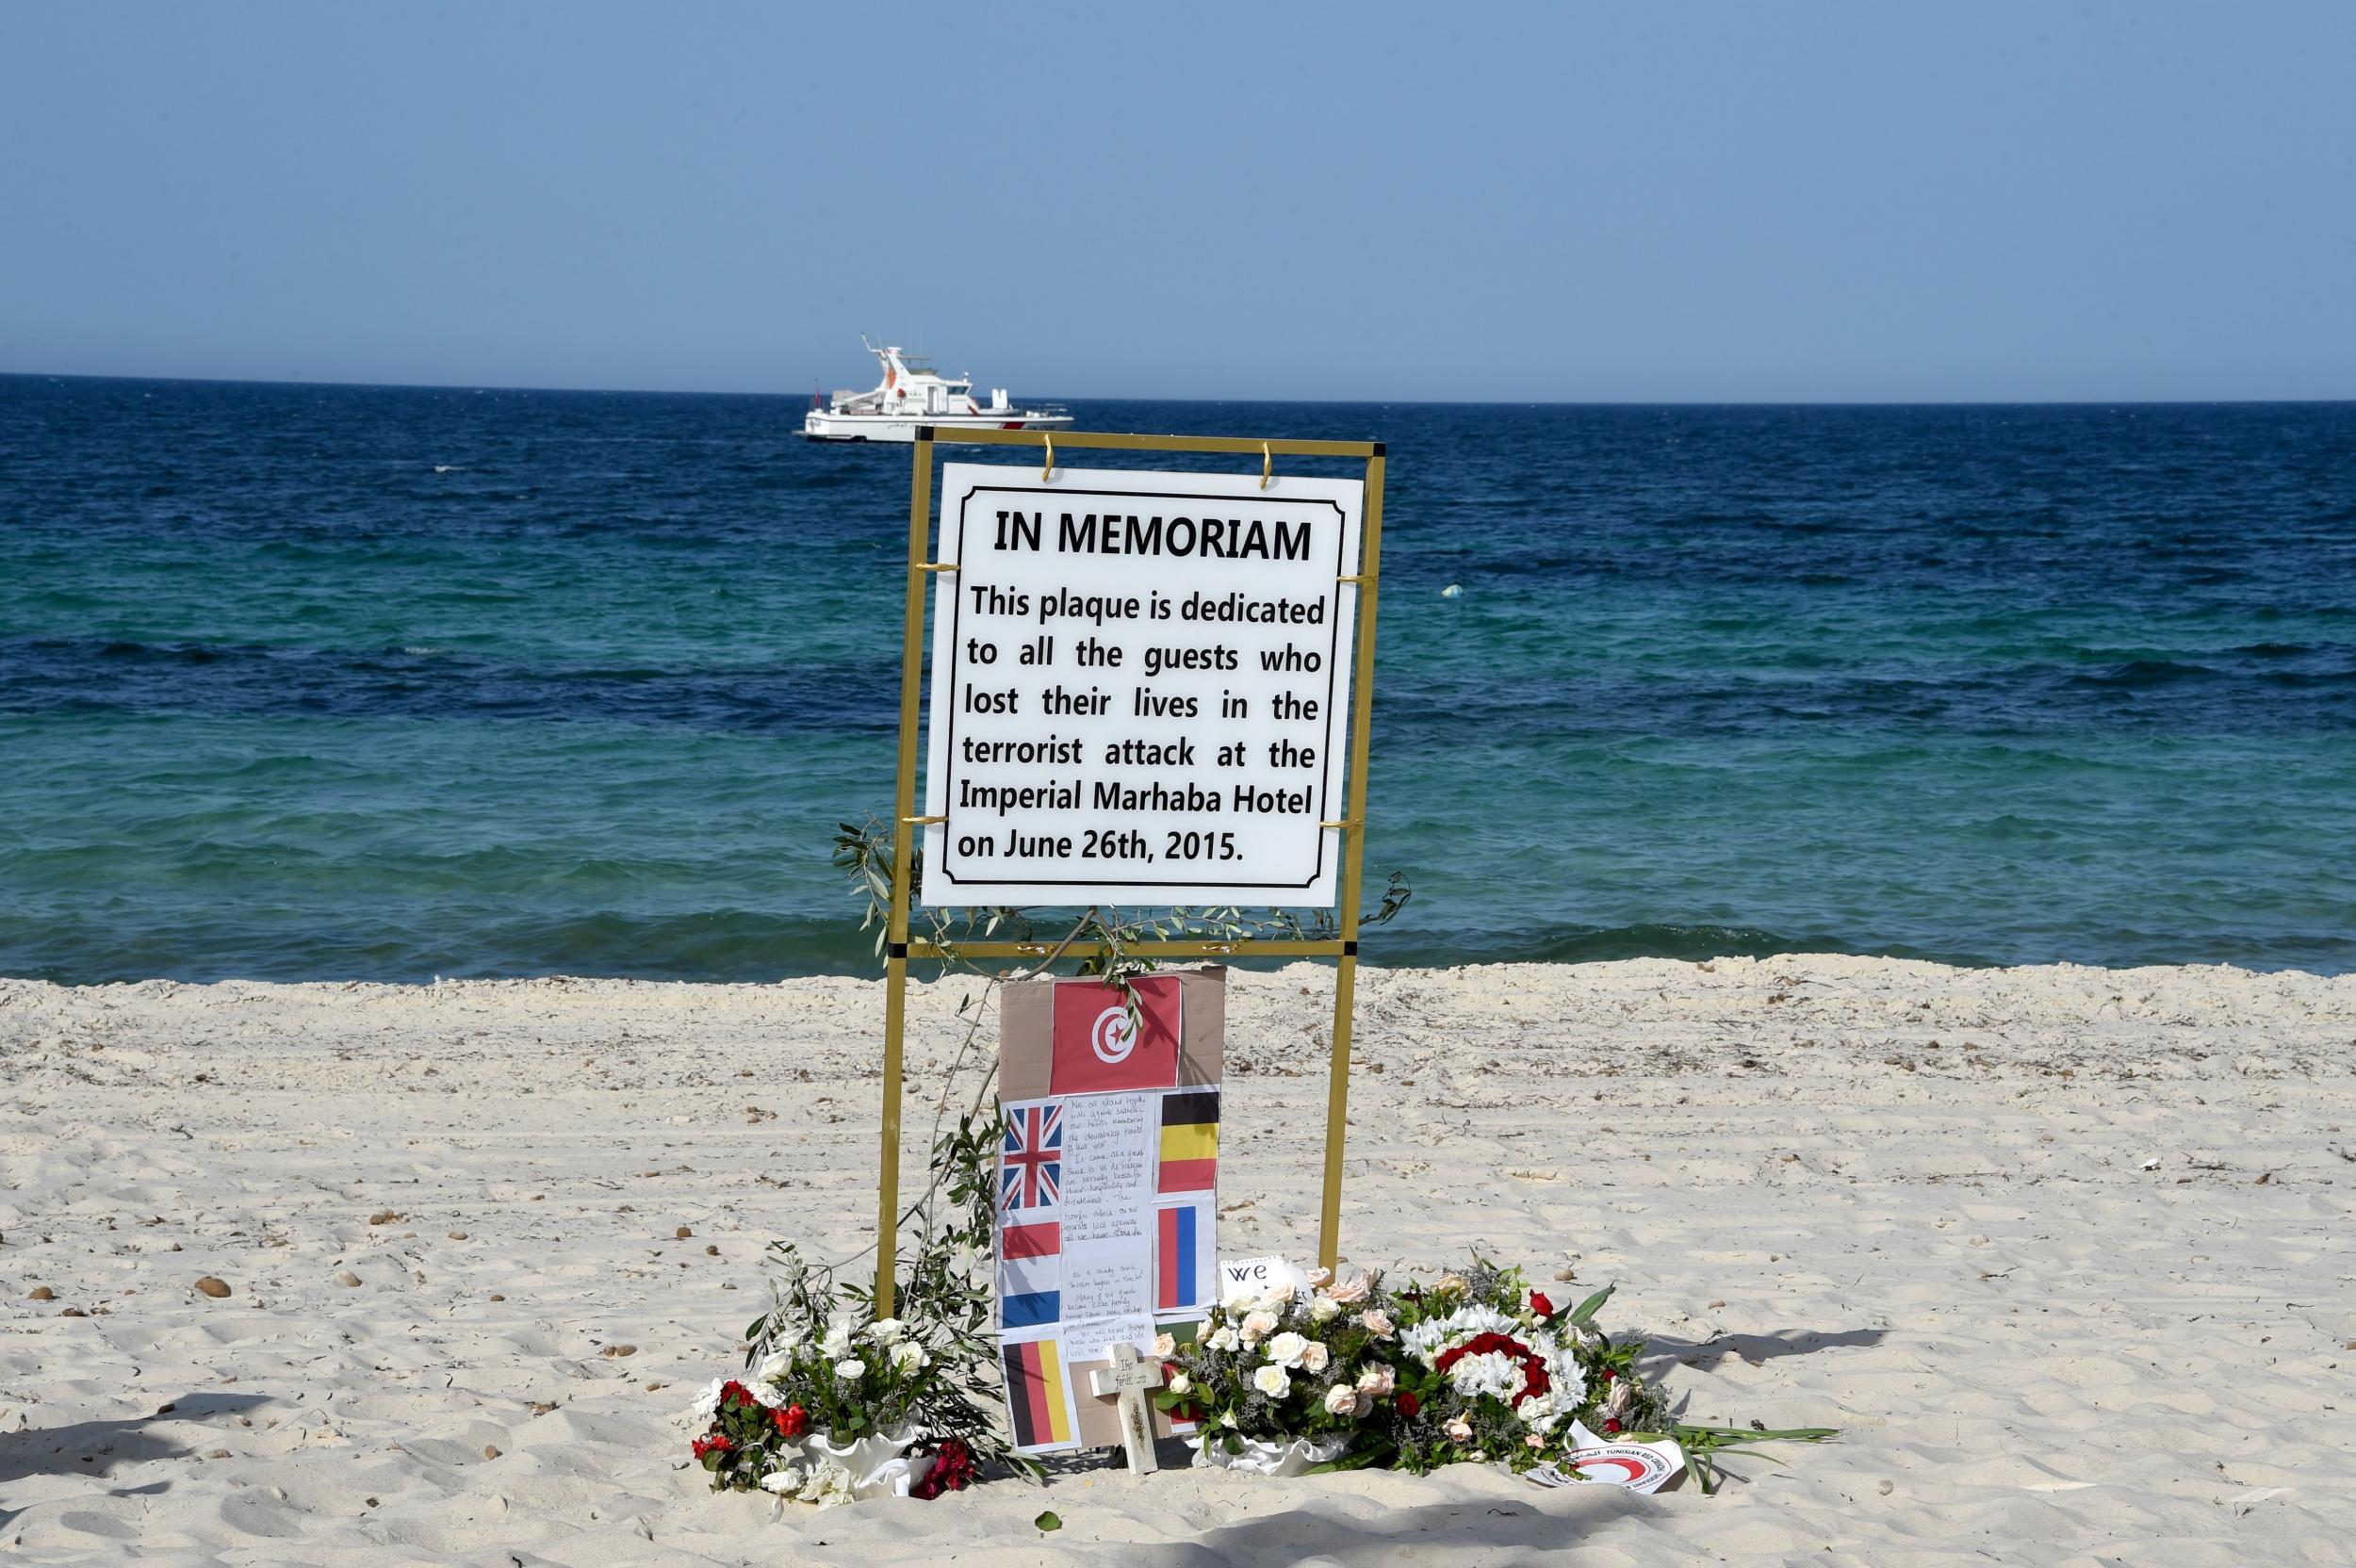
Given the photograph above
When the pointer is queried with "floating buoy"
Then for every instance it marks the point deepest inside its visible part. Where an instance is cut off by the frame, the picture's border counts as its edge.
(1452, 591)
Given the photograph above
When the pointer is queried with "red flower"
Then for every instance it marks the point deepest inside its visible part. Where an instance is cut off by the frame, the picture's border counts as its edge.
(1408, 1403)
(1534, 1379)
(734, 1393)
(710, 1442)
(1539, 1304)
(953, 1470)
(1608, 1373)
(793, 1421)
(1611, 1423)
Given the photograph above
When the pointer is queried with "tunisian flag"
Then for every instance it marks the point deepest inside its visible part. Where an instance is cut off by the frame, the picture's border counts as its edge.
(1097, 1047)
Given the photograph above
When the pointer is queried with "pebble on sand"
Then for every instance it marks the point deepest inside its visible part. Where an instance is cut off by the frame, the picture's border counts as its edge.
(346, 1277)
(41, 1292)
(212, 1285)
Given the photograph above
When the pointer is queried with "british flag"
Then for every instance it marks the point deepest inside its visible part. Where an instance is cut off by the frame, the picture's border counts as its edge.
(1030, 1166)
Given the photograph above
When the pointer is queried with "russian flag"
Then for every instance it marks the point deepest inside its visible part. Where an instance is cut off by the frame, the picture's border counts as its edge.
(1182, 1256)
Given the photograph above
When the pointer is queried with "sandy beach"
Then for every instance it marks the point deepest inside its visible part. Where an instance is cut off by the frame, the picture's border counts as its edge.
(2065, 1252)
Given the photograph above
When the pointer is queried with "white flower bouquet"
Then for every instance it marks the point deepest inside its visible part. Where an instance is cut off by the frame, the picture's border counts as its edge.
(1287, 1379)
(837, 1403)
(1474, 1367)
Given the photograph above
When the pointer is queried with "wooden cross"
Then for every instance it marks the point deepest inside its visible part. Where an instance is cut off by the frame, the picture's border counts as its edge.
(1132, 1379)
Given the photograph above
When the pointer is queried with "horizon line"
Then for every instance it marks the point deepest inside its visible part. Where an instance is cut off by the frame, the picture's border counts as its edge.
(1342, 402)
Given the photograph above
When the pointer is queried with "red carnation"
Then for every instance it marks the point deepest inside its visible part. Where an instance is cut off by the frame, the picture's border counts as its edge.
(1539, 1304)
(710, 1442)
(953, 1470)
(1534, 1379)
(793, 1421)
(734, 1393)
(1610, 1424)
(1408, 1403)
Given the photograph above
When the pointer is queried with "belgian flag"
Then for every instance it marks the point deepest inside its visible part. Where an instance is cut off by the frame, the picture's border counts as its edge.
(1189, 1161)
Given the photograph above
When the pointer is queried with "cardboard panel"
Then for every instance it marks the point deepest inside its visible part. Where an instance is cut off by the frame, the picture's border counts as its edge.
(1201, 1043)
(1027, 1039)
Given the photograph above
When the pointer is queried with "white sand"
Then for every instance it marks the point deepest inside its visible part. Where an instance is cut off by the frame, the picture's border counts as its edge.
(2040, 1351)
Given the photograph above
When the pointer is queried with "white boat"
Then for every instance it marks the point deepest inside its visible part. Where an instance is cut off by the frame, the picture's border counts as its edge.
(913, 394)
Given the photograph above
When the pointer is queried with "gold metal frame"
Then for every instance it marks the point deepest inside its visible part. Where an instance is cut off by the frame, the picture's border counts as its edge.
(899, 949)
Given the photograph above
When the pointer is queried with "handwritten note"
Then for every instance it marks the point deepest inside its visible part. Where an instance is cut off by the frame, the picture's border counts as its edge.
(1108, 1173)
(1088, 1339)
(1258, 1274)
(1104, 1278)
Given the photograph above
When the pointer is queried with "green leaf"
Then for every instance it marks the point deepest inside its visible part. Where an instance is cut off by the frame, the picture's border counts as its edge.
(1048, 1520)
(1585, 1312)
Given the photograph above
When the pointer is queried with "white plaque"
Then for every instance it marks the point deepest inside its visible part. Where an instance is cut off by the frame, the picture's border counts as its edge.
(1140, 688)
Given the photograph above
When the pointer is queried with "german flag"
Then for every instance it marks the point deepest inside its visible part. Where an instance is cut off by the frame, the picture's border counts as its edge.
(1189, 1160)
(1035, 1394)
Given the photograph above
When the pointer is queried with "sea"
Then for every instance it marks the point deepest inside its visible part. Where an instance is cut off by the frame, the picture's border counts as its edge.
(344, 682)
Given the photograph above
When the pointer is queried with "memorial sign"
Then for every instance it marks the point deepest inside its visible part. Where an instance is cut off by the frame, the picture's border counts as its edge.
(1140, 688)
(1148, 688)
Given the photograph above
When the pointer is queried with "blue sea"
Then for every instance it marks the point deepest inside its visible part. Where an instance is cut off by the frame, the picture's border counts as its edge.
(303, 683)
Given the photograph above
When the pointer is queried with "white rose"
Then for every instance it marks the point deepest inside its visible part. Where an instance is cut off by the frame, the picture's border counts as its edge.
(768, 1393)
(707, 1404)
(1351, 1291)
(776, 1365)
(837, 1344)
(1324, 1310)
(1342, 1400)
(1378, 1379)
(1258, 1326)
(1225, 1339)
(1312, 1357)
(885, 1331)
(1286, 1349)
(1278, 1294)
(1165, 1346)
(1179, 1382)
(1459, 1431)
(850, 1371)
(1238, 1301)
(829, 1485)
(909, 1357)
(1272, 1381)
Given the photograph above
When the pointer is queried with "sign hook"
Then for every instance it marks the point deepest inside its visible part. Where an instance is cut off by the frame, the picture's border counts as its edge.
(1049, 472)
(1268, 463)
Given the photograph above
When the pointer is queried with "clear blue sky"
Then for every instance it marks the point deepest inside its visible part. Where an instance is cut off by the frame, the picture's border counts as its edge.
(1632, 202)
